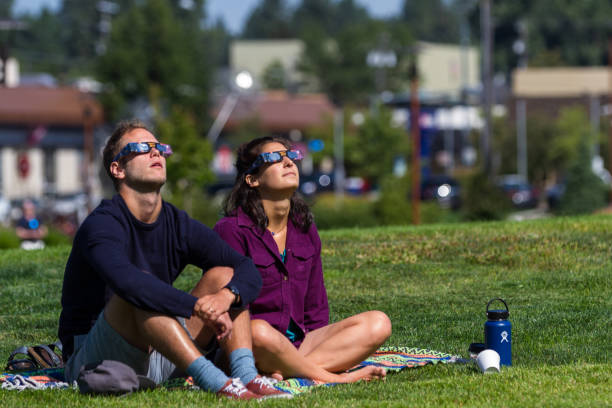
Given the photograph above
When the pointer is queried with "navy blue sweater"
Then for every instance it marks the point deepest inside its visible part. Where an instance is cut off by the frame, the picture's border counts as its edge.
(113, 252)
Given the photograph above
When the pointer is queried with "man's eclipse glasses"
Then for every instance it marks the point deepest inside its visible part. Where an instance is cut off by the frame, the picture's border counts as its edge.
(144, 147)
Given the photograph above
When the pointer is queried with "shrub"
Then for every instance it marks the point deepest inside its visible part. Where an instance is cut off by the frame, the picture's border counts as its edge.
(483, 200)
(433, 213)
(349, 212)
(57, 238)
(393, 207)
(585, 192)
(198, 205)
(8, 239)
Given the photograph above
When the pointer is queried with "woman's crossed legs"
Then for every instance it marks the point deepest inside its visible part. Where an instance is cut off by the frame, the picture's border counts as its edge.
(326, 353)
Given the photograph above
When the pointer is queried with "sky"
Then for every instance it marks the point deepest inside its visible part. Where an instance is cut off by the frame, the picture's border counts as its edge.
(233, 12)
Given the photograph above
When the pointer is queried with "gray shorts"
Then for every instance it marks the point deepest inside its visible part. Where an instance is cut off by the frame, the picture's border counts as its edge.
(104, 343)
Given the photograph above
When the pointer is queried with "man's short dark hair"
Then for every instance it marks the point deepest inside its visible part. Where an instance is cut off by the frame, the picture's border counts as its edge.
(113, 144)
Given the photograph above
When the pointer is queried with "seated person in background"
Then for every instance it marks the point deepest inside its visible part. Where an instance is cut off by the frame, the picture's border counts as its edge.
(267, 222)
(118, 302)
(29, 228)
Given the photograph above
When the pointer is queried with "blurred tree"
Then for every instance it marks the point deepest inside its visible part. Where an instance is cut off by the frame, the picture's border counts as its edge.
(245, 131)
(482, 199)
(431, 20)
(6, 7)
(270, 19)
(315, 15)
(274, 76)
(329, 16)
(39, 47)
(157, 52)
(393, 207)
(348, 12)
(578, 30)
(559, 32)
(552, 146)
(216, 44)
(371, 146)
(371, 149)
(188, 168)
(584, 191)
(339, 62)
(79, 33)
(572, 128)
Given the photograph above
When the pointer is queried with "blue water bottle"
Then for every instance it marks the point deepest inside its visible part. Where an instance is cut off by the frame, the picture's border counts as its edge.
(498, 332)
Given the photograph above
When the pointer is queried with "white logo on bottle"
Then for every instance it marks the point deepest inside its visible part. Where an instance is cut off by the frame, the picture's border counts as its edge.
(504, 336)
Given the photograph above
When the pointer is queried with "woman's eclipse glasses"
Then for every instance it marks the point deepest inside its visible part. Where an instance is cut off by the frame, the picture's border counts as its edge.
(274, 157)
(144, 147)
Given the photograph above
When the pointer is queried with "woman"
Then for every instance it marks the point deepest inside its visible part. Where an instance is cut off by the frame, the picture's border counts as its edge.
(266, 221)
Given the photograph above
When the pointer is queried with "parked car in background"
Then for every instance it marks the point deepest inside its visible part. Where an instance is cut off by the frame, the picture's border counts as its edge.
(522, 194)
(554, 195)
(316, 183)
(356, 185)
(444, 189)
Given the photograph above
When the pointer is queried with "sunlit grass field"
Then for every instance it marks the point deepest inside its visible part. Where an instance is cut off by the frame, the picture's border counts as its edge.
(434, 283)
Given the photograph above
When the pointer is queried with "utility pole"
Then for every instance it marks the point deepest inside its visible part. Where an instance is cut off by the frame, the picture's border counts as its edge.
(520, 48)
(487, 100)
(107, 10)
(415, 135)
(339, 173)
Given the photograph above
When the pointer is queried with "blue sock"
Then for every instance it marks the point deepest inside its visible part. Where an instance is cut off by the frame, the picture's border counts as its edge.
(242, 364)
(206, 375)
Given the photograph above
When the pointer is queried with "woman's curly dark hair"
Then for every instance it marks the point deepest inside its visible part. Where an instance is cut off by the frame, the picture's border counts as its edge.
(247, 198)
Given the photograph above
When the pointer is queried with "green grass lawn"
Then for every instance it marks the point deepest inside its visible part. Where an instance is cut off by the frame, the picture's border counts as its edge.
(434, 283)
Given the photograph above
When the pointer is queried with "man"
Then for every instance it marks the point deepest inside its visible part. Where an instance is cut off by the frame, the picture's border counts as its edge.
(118, 302)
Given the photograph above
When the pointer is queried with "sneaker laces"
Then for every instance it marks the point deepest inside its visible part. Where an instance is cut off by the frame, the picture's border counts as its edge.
(269, 381)
(235, 387)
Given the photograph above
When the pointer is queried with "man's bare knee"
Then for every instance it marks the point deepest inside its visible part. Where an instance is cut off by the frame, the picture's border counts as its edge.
(126, 320)
(119, 312)
(213, 280)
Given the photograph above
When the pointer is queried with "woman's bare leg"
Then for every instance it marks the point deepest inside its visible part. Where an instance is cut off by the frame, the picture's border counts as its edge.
(344, 344)
(274, 354)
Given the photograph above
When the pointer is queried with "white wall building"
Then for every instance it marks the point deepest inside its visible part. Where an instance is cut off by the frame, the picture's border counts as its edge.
(43, 135)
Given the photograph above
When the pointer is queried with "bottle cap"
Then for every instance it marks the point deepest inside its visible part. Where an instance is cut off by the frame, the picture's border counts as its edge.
(497, 314)
(476, 348)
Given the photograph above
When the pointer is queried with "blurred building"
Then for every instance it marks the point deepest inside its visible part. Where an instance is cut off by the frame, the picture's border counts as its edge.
(279, 112)
(46, 141)
(257, 56)
(276, 113)
(447, 71)
(548, 90)
(449, 92)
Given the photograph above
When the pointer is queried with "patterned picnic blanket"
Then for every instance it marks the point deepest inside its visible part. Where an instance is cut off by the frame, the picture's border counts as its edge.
(391, 358)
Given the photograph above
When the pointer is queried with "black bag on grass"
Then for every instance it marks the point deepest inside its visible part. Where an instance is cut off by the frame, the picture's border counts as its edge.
(27, 358)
